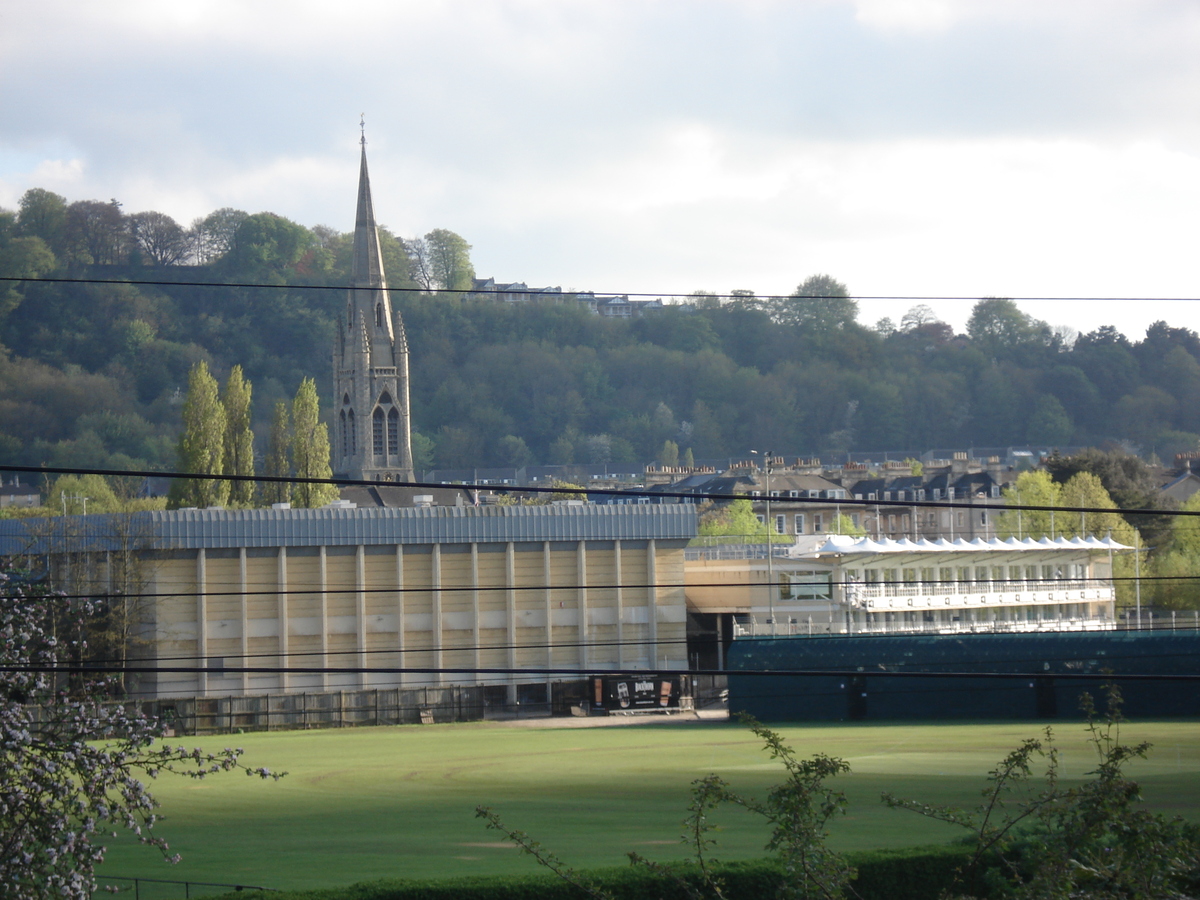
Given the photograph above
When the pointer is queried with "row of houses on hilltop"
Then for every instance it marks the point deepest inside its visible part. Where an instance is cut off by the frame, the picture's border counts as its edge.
(609, 306)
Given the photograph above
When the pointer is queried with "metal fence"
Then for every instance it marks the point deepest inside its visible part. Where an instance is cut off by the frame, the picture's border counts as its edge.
(162, 889)
(382, 706)
(329, 709)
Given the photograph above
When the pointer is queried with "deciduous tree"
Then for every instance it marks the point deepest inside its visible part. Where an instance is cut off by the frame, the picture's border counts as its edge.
(43, 214)
(96, 231)
(202, 444)
(310, 449)
(72, 766)
(449, 259)
(278, 463)
(997, 325)
(821, 303)
(160, 239)
(239, 438)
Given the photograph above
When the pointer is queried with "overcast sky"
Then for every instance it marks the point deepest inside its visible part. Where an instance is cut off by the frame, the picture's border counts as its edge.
(1024, 148)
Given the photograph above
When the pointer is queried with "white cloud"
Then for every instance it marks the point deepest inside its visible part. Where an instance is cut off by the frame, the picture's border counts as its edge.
(906, 15)
(905, 146)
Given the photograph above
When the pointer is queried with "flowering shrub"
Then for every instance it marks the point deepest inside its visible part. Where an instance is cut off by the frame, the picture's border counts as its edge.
(73, 767)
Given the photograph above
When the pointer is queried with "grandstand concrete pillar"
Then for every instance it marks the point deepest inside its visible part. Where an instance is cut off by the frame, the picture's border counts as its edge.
(619, 601)
(322, 584)
(360, 611)
(581, 610)
(510, 616)
(244, 623)
(435, 582)
(202, 621)
(400, 613)
(475, 612)
(652, 601)
(281, 613)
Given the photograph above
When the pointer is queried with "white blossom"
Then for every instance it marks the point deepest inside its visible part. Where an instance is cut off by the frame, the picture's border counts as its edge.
(59, 787)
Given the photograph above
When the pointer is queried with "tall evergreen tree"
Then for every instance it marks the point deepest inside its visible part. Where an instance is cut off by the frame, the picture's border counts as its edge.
(278, 462)
(239, 438)
(202, 444)
(310, 449)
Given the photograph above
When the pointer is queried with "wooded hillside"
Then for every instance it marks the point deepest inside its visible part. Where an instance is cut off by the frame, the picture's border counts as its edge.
(92, 374)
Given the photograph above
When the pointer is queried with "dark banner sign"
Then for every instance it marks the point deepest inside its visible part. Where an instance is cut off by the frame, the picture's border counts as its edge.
(632, 693)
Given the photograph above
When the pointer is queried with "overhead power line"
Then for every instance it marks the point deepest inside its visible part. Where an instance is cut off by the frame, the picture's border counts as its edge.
(584, 489)
(98, 664)
(685, 295)
(74, 669)
(573, 587)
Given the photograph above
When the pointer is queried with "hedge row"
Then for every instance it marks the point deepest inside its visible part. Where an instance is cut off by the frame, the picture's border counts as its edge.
(910, 874)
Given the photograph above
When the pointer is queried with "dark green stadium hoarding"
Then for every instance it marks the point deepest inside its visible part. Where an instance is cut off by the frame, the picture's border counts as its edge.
(873, 675)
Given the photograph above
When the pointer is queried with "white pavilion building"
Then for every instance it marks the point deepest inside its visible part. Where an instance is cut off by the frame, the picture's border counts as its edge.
(861, 585)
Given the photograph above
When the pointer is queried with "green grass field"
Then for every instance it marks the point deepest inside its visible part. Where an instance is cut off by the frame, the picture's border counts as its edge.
(398, 802)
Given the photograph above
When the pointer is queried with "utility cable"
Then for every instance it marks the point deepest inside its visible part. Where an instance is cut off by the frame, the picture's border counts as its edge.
(689, 496)
(77, 669)
(566, 295)
(301, 593)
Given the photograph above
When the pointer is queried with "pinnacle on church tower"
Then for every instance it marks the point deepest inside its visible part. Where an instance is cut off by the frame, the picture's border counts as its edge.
(370, 363)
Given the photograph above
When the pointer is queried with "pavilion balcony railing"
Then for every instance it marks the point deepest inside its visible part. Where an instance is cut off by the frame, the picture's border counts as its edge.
(752, 626)
(956, 594)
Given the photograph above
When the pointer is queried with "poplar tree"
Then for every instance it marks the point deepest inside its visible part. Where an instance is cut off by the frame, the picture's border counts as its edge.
(310, 449)
(278, 463)
(239, 438)
(202, 444)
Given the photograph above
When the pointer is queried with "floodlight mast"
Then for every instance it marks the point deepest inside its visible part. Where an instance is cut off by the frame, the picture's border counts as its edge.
(766, 460)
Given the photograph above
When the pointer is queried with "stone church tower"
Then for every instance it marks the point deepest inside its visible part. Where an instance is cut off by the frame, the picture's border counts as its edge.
(371, 439)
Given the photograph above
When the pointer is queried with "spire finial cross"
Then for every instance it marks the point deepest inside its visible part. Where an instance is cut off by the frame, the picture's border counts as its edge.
(362, 126)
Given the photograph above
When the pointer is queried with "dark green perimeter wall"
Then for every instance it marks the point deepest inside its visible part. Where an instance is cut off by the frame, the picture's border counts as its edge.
(871, 677)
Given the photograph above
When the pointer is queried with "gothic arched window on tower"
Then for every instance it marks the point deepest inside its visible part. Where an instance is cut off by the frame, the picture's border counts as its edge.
(353, 433)
(393, 431)
(378, 315)
(345, 436)
(377, 431)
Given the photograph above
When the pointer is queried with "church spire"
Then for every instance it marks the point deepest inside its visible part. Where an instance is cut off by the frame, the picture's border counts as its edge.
(367, 269)
(370, 366)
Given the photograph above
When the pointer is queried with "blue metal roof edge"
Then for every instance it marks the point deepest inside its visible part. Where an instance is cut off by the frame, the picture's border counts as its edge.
(331, 526)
